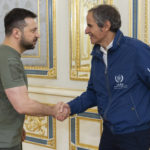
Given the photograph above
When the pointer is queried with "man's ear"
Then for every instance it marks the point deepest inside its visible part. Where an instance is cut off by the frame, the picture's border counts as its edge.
(107, 25)
(16, 33)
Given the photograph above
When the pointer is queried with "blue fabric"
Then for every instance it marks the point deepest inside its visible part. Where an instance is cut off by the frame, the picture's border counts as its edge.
(122, 89)
(139, 140)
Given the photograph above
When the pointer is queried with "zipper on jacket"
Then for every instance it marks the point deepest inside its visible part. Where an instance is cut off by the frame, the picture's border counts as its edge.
(108, 88)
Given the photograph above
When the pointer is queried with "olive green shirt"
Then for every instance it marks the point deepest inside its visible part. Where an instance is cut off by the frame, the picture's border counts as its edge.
(11, 75)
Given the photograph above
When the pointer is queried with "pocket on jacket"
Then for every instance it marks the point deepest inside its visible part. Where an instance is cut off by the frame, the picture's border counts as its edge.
(133, 108)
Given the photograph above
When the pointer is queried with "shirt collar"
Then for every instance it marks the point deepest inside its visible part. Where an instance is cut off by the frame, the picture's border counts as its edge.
(107, 48)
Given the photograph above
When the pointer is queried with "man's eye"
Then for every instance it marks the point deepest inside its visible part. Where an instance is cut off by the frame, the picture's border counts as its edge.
(33, 30)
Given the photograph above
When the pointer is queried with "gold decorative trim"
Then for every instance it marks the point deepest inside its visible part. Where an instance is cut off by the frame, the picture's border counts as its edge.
(51, 143)
(69, 93)
(77, 144)
(139, 19)
(58, 88)
(72, 147)
(52, 73)
(80, 47)
(35, 124)
(130, 17)
(110, 2)
(79, 59)
(34, 127)
(146, 22)
(92, 110)
(143, 9)
(78, 131)
(39, 45)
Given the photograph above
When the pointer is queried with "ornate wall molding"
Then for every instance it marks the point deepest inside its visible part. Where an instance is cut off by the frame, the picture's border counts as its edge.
(147, 22)
(40, 62)
(61, 92)
(144, 21)
(45, 65)
(80, 47)
(78, 123)
(41, 131)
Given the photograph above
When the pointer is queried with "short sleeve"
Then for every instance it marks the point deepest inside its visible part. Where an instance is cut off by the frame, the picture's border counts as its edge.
(12, 73)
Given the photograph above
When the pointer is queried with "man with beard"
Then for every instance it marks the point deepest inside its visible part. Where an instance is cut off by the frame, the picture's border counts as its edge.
(21, 33)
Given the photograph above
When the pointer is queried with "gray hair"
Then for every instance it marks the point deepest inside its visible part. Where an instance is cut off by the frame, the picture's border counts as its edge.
(103, 13)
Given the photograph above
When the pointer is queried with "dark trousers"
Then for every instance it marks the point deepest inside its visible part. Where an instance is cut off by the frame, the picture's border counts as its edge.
(139, 140)
(18, 147)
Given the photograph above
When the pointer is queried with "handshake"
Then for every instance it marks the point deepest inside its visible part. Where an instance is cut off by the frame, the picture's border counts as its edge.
(61, 111)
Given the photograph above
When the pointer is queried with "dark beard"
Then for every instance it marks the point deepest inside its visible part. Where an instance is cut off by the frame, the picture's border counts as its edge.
(26, 45)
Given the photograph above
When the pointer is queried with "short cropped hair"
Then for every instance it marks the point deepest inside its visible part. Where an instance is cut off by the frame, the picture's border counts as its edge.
(103, 13)
(15, 19)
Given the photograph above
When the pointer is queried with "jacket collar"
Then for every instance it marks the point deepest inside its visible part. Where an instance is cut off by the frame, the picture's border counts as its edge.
(117, 40)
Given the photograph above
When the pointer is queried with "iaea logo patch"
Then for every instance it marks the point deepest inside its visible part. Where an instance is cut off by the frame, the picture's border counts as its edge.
(119, 79)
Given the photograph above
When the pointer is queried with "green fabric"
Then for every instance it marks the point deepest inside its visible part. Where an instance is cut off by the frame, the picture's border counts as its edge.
(11, 75)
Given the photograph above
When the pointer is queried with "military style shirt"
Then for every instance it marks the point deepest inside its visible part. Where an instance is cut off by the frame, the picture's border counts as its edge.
(11, 75)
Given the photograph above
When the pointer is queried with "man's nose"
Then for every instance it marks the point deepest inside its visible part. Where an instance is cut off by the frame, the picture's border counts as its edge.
(37, 35)
(86, 30)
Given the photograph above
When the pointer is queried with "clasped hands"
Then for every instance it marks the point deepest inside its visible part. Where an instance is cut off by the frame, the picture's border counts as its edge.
(61, 111)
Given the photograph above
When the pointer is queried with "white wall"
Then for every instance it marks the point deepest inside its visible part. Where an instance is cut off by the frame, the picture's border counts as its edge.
(51, 91)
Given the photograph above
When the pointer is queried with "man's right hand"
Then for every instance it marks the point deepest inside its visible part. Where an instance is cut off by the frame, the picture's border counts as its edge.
(63, 111)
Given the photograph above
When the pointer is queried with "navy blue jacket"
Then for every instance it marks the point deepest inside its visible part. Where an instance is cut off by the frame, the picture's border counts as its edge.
(122, 89)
